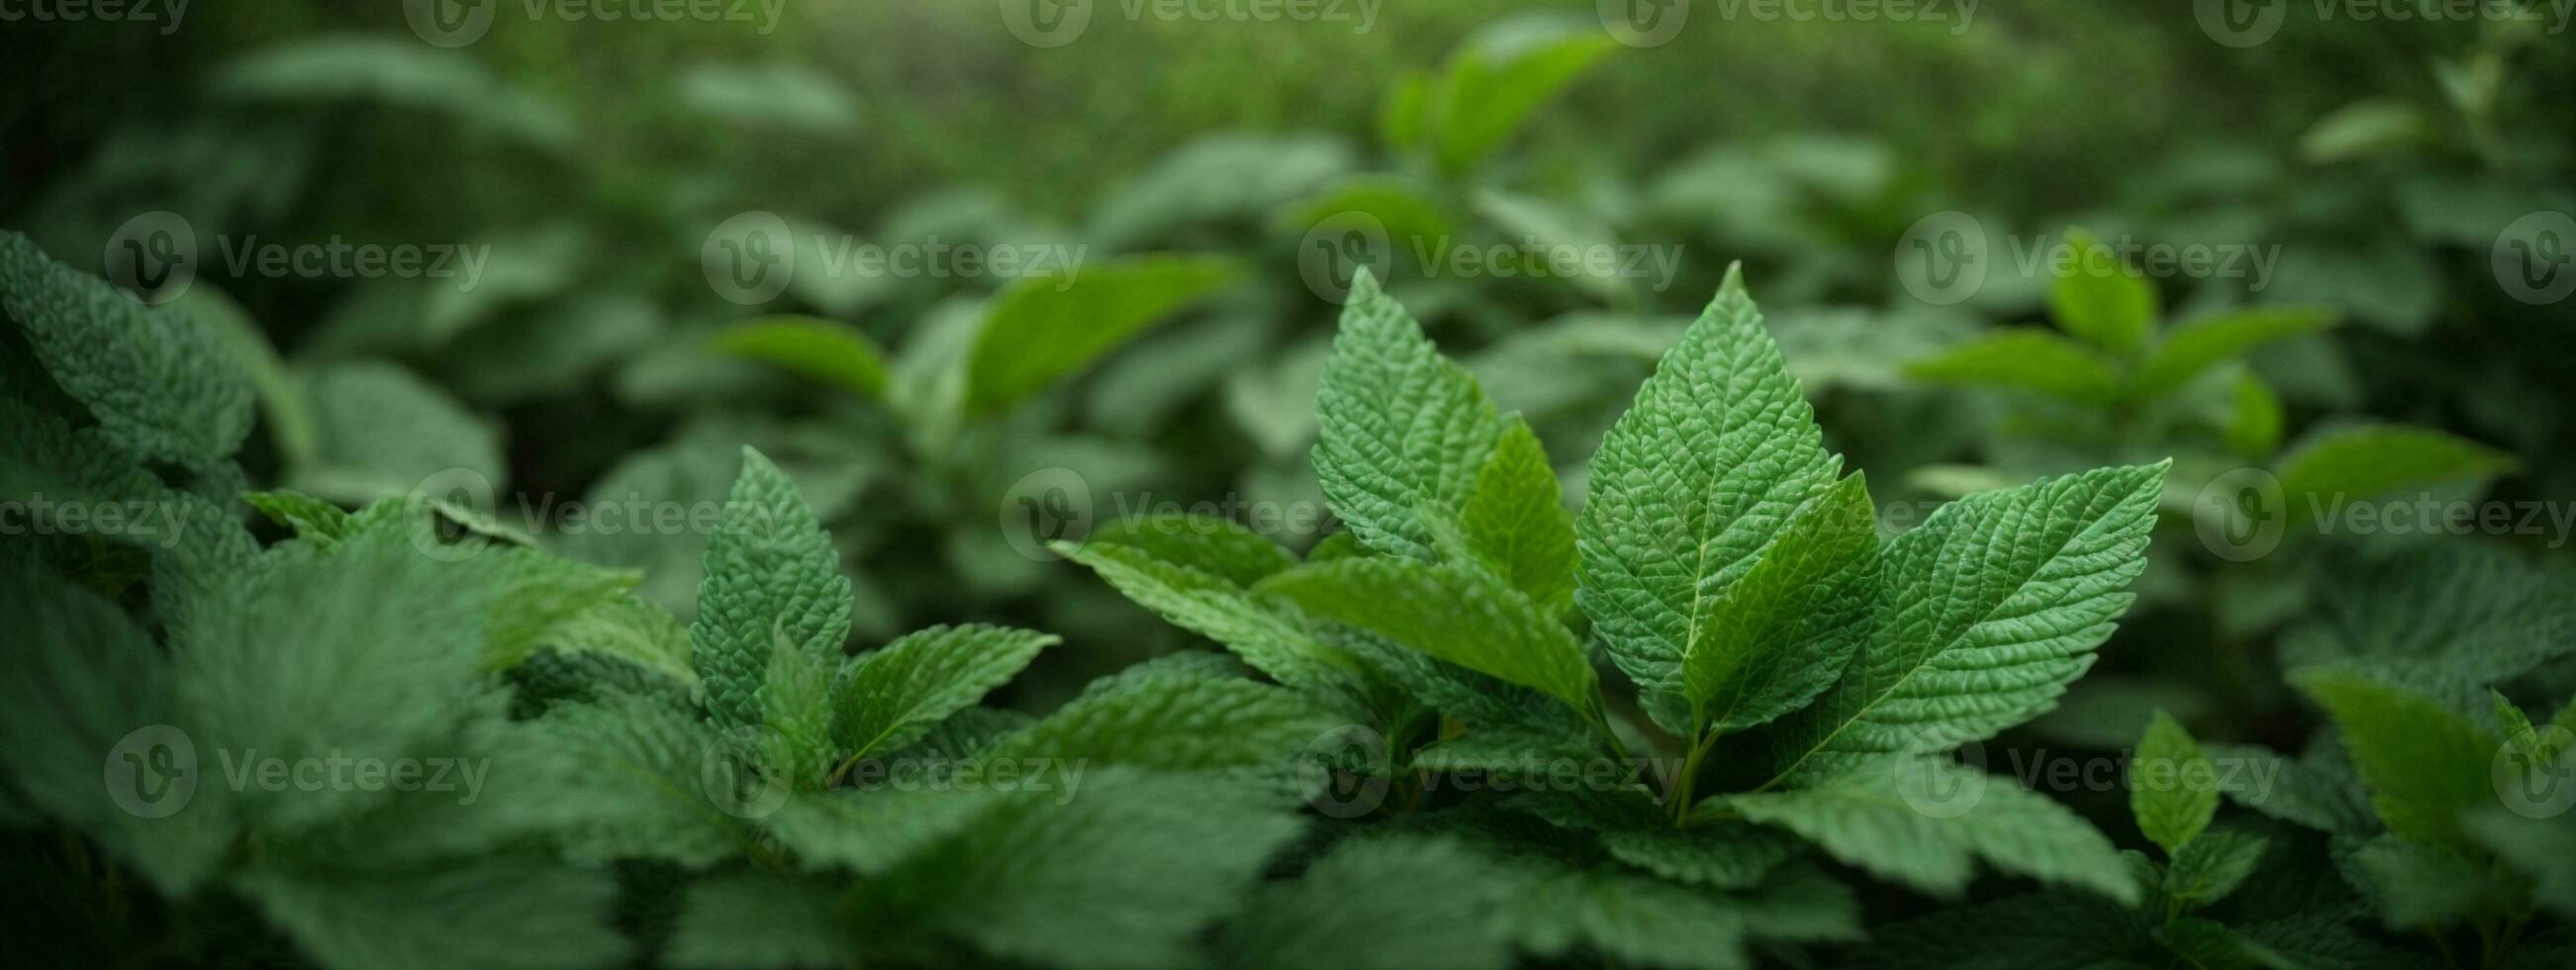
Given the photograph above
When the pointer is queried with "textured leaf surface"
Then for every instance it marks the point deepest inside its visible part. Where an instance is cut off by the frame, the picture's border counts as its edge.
(160, 384)
(1516, 522)
(1406, 903)
(1455, 613)
(1781, 633)
(1196, 573)
(1925, 822)
(1718, 452)
(1123, 875)
(1403, 434)
(890, 698)
(2423, 764)
(1986, 611)
(771, 573)
(1177, 724)
(2173, 787)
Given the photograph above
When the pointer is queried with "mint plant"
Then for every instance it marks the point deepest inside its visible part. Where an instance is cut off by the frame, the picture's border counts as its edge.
(1734, 577)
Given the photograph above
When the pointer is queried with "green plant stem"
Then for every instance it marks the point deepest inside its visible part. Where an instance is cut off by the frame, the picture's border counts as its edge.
(1689, 780)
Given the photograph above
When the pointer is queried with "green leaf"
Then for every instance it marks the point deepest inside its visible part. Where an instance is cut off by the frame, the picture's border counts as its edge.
(1924, 822)
(1781, 633)
(2098, 299)
(159, 383)
(312, 518)
(1629, 918)
(2024, 359)
(1043, 328)
(2542, 849)
(2319, 791)
(890, 698)
(633, 767)
(2173, 787)
(373, 651)
(1455, 613)
(2473, 611)
(830, 351)
(2208, 868)
(745, 920)
(2196, 346)
(2424, 886)
(2051, 930)
(527, 913)
(1196, 573)
(1700, 475)
(2423, 764)
(1125, 875)
(1387, 903)
(1516, 522)
(1985, 612)
(2254, 419)
(1176, 724)
(384, 431)
(771, 573)
(79, 687)
(1496, 79)
(1404, 433)
(2359, 462)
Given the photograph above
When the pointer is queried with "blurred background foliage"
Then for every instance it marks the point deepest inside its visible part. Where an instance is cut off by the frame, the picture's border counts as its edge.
(1190, 160)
